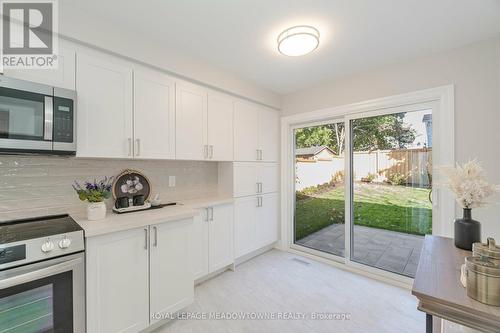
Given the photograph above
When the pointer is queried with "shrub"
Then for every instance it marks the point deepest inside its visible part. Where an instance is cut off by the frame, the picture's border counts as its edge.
(397, 179)
(338, 177)
(369, 178)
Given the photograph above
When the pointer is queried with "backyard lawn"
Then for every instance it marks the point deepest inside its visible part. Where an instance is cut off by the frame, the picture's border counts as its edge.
(383, 206)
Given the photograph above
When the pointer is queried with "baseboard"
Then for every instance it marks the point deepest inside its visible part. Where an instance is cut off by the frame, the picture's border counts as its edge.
(253, 254)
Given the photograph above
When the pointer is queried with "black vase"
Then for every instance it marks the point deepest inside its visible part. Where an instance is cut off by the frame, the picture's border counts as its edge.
(467, 231)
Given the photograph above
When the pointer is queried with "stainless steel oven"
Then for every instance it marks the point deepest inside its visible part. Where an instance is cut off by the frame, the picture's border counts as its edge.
(36, 118)
(42, 276)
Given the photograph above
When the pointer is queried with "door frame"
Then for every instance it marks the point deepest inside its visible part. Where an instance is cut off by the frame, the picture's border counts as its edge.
(442, 101)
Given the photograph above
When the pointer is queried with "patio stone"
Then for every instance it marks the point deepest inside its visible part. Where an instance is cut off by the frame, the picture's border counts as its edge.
(389, 250)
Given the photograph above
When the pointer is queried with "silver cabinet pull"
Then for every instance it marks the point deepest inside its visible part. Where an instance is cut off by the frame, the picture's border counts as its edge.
(211, 151)
(129, 146)
(206, 216)
(205, 151)
(155, 229)
(211, 213)
(260, 154)
(260, 187)
(138, 146)
(258, 201)
(145, 239)
(48, 122)
(257, 154)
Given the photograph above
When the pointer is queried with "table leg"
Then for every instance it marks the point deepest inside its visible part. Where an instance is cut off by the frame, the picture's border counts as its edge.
(428, 323)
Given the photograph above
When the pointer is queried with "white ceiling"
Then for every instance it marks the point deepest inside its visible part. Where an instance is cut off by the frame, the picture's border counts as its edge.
(240, 35)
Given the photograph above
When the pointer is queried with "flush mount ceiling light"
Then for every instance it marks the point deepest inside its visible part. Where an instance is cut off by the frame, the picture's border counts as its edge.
(299, 40)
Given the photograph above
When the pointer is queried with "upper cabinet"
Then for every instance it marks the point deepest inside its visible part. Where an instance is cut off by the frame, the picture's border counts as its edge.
(104, 112)
(154, 115)
(220, 127)
(204, 124)
(256, 133)
(190, 120)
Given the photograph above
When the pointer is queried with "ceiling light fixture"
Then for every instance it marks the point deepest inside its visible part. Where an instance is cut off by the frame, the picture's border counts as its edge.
(299, 40)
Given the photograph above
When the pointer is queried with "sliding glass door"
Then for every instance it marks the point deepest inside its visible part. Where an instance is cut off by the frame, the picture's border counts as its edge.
(319, 221)
(391, 183)
(386, 193)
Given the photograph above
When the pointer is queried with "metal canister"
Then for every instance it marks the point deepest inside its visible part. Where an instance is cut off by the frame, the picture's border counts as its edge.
(489, 250)
(483, 280)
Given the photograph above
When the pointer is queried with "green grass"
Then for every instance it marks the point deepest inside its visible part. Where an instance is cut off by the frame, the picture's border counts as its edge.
(396, 208)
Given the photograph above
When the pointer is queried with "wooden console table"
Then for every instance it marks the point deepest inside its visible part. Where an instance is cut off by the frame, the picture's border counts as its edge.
(439, 291)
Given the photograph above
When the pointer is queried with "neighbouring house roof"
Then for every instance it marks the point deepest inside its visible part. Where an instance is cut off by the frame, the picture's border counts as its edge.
(427, 117)
(311, 151)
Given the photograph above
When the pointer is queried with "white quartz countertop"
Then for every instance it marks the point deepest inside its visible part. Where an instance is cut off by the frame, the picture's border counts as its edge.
(120, 222)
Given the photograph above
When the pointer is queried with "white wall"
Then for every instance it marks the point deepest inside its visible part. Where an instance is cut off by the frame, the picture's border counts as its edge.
(475, 72)
(96, 31)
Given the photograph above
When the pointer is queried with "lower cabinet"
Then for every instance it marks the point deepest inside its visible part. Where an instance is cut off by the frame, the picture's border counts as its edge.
(212, 243)
(255, 222)
(133, 275)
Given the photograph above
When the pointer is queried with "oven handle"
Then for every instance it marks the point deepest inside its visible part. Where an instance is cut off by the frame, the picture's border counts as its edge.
(48, 118)
(39, 273)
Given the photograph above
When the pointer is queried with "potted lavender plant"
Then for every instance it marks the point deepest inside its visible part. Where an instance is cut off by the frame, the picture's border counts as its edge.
(468, 183)
(94, 193)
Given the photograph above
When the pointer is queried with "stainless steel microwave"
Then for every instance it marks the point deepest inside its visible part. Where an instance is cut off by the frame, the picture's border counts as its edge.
(36, 118)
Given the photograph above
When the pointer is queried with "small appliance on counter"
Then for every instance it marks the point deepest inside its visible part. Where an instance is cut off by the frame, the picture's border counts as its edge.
(482, 273)
(42, 267)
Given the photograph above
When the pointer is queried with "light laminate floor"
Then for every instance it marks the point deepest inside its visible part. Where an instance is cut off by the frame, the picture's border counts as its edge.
(278, 282)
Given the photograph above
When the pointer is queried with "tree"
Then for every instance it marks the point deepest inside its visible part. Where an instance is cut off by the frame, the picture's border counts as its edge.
(380, 132)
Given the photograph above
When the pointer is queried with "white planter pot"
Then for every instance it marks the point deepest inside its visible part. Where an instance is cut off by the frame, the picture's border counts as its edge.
(96, 211)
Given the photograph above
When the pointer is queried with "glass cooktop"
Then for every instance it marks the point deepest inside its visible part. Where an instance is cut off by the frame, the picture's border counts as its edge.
(19, 230)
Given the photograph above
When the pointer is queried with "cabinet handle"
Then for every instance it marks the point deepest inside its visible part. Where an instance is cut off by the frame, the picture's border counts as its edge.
(211, 213)
(260, 154)
(211, 151)
(129, 146)
(258, 201)
(205, 151)
(138, 146)
(155, 244)
(260, 187)
(257, 154)
(145, 239)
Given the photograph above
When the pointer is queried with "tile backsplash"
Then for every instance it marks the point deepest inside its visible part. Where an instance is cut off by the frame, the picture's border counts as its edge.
(41, 185)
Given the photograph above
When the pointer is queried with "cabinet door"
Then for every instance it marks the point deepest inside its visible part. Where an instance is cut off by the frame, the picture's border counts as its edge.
(220, 127)
(267, 220)
(63, 76)
(190, 123)
(199, 243)
(104, 112)
(269, 138)
(245, 213)
(245, 178)
(154, 115)
(221, 237)
(117, 282)
(269, 177)
(171, 276)
(246, 129)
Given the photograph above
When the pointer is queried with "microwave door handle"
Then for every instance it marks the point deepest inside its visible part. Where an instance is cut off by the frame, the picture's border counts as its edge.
(48, 125)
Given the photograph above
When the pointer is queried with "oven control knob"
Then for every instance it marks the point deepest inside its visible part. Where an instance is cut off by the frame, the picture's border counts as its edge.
(47, 246)
(64, 243)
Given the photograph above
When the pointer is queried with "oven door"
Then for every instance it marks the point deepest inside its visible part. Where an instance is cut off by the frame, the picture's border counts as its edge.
(26, 116)
(44, 297)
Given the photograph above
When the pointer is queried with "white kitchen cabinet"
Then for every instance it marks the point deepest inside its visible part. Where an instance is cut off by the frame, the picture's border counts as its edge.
(63, 76)
(256, 133)
(199, 242)
(220, 236)
(246, 131)
(245, 214)
(267, 220)
(269, 138)
(154, 115)
(118, 282)
(220, 127)
(171, 276)
(104, 107)
(250, 178)
(255, 222)
(191, 119)
(213, 239)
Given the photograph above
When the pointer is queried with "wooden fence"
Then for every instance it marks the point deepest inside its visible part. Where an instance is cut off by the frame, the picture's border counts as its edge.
(414, 164)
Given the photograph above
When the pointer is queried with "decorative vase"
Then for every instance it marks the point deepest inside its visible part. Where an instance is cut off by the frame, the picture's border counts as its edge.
(467, 231)
(96, 211)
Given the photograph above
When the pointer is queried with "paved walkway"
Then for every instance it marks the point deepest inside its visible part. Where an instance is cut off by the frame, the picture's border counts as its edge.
(389, 250)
